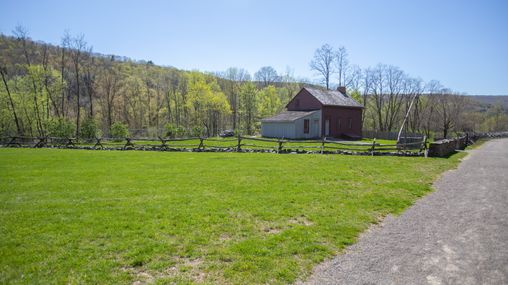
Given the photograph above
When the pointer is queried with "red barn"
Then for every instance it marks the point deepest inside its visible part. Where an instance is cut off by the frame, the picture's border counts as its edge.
(314, 111)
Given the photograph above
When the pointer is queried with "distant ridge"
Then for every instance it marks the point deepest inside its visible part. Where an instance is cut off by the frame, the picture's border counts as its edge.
(491, 99)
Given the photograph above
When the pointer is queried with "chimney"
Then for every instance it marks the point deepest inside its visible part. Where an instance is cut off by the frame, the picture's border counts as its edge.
(342, 89)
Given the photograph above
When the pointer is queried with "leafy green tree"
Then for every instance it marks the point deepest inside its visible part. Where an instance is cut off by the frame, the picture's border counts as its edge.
(356, 95)
(119, 131)
(268, 102)
(61, 128)
(206, 102)
(248, 106)
(89, 129)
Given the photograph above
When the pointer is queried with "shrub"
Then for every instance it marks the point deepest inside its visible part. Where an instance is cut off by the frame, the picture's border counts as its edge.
(119, 131)
(196, 131)
(169, 130)
(173, 131)
(179, 132)
(61, 128)
(89, 129)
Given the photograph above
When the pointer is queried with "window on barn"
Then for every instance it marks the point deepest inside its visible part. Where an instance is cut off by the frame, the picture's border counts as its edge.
(306, 126)
(350, 123)
(297, 103)
(338, 124)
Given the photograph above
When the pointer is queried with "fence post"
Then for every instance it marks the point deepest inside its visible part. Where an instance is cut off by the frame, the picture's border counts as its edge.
(128, 144)
(201, 145)
(41, 143)
(13, 142)
(279, 149)
(239, 146)
(69, 143)
(323, 145)
(98, 143)
(373, 147)
(163, 145)
(425, 150)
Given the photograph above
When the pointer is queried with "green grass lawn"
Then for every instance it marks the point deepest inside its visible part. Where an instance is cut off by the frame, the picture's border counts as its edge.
(103, 217)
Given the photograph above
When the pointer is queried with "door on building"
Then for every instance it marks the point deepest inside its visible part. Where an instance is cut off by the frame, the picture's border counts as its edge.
(315, 128)
(327, 127)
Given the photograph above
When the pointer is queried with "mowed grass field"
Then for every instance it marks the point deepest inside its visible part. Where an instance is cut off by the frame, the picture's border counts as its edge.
(109, 217)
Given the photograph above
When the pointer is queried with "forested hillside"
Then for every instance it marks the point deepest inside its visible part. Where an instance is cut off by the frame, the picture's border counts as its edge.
(489, 101)
(68, 90)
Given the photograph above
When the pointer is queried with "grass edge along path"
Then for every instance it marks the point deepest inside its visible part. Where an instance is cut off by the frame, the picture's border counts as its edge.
(77, 216)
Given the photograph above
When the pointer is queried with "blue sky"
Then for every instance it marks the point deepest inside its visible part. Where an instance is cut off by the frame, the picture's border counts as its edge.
(463, 44)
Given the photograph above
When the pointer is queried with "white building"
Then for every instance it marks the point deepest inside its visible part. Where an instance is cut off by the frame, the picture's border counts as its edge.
(293, 125)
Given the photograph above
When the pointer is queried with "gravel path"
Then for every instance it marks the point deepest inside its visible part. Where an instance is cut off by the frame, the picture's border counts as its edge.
(455, 235)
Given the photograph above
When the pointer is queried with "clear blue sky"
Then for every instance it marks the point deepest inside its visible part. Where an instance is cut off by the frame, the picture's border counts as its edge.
(464, 44)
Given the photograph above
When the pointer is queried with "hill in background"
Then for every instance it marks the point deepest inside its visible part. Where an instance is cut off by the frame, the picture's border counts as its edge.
(491, 100)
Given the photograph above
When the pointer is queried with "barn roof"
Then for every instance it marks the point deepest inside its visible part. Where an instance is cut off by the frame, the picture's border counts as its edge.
(288, 116)
(333, 98)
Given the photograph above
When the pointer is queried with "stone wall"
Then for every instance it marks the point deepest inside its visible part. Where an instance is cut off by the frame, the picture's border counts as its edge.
(445, 147)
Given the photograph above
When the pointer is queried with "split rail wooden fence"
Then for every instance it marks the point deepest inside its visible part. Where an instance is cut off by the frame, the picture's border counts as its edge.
(231, 144)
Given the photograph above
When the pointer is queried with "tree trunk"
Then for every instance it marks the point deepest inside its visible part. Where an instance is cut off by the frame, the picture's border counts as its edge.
(18, 127)
(62, 82)
(78, 112)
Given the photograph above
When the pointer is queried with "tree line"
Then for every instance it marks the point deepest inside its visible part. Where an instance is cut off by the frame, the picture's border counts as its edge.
(68, 90)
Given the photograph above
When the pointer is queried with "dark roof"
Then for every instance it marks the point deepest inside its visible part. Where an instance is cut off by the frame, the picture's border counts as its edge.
(333, 98)
(288, 116)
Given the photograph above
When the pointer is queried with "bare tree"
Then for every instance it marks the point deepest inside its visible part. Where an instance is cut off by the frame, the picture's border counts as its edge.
(377, 89)
(236, 77)
(21, 34)
(396, 83)
(428, 106)
(449, 109)
(267, 75)
(415, 90)
(353, 78)
(342, 64)
(89, 80)
(322, 62)
(412, 90)
(3, 73)
(388, 85)
(173, 82)
(49, 83)
(110, 84)
(78, 47)
(66, 40)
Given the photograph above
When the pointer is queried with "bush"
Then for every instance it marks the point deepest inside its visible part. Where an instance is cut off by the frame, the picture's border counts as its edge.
(60, 128)
(119, 131)
(169, 130)
(173, 131)
(179, 132)
(89, 129)
(196, 132)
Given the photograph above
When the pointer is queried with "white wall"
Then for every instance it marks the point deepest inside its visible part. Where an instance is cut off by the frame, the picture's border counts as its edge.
(293, 130)
(314, 128)
(278, 130)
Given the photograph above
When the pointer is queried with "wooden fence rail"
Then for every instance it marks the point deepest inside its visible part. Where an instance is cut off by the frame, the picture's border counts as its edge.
(233, 144)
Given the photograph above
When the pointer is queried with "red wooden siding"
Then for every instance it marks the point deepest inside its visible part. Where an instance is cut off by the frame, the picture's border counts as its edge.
(344, 114)
(303, 101)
